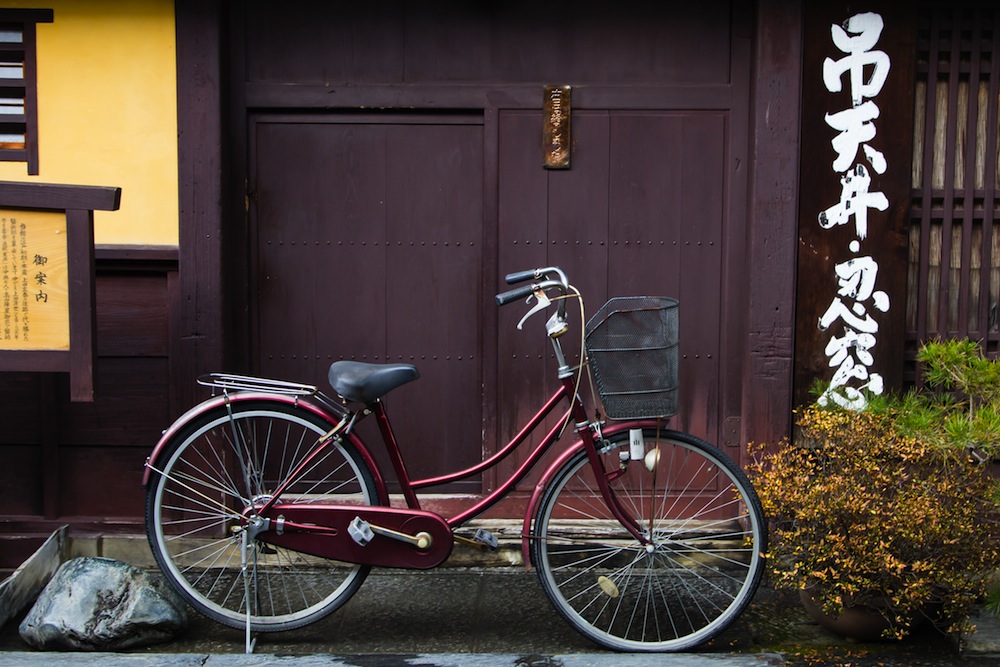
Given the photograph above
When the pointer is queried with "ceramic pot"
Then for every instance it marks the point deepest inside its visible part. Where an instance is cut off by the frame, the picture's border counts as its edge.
(862, 624)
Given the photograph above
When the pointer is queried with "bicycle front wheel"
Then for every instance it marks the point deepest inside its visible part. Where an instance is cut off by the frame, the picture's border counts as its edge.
(702, 563)
(231, 459)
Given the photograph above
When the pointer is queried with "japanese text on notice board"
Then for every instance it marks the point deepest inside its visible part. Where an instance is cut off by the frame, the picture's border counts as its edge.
(34, 281)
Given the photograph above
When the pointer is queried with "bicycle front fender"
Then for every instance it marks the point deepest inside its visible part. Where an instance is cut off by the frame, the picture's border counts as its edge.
(554, 467)
(217, 402)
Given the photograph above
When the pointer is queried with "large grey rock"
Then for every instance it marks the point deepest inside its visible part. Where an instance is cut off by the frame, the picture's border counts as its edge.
(99, 604)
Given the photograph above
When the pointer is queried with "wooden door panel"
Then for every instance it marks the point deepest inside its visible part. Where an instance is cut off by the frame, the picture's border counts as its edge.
(319, 246)
(641, 212)
(368, 246)
(668, 215)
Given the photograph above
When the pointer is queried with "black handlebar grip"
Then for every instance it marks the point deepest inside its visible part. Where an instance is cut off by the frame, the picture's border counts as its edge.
(514, 295)
(520, 276)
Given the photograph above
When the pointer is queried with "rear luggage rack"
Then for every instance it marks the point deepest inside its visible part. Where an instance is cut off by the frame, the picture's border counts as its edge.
(230, 382)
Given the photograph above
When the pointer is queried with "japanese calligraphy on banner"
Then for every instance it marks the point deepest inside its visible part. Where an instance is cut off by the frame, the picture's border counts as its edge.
(861, 70)
(34, 281)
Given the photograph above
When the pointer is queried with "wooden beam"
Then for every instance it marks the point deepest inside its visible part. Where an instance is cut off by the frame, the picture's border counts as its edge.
(59, 197)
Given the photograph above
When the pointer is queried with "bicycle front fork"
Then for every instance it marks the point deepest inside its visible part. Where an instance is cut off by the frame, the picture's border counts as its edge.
(591, 434)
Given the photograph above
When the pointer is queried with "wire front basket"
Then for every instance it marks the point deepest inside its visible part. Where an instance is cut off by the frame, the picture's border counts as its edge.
(632, 348)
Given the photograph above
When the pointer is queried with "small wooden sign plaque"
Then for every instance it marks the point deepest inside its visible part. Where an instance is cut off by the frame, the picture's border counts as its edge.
(556, 111)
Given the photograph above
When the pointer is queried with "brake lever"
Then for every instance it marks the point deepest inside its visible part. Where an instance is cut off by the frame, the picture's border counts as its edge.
(543, 302)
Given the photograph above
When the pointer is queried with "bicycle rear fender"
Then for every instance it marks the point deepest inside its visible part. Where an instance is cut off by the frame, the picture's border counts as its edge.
(242, 397)
(556, 465)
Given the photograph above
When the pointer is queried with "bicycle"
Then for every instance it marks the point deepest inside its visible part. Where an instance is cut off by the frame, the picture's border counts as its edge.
(266, 510)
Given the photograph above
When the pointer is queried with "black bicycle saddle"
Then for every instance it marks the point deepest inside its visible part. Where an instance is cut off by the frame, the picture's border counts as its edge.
(366, 383)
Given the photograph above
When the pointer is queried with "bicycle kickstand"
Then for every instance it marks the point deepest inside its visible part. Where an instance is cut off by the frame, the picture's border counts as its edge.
(246, 546)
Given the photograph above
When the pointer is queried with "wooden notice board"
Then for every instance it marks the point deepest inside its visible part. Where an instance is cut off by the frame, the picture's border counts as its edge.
(47, 279)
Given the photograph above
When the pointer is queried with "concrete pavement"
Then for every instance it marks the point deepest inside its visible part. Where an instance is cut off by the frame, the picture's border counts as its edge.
(433, 660)
(500, 616)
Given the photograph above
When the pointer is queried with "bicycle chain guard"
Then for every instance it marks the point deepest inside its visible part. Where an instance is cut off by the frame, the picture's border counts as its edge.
(324, 530)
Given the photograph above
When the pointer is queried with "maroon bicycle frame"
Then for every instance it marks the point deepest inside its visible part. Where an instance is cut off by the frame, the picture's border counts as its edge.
(576, 412)
(566, 390)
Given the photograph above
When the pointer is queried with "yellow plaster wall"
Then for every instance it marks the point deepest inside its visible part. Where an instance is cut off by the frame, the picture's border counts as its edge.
(107, 111)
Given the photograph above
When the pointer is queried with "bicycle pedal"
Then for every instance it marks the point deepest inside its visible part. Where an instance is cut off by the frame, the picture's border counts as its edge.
(487, 539)
(360, 531)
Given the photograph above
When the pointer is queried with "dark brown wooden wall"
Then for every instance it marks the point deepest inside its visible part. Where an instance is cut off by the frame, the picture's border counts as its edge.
(81, 463)
(162, 320)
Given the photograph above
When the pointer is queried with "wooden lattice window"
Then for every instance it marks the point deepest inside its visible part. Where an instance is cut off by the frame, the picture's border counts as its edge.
(954, 240)
(18, 92)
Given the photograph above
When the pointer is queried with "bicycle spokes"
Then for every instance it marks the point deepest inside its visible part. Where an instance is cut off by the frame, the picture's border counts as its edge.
(693, 573)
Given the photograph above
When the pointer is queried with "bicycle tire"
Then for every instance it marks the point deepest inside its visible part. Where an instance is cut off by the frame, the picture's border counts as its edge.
(701, 570)
(217, 465)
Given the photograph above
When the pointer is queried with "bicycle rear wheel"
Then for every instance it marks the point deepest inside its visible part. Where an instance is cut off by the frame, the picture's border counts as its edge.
(230, 459)
(702, 566)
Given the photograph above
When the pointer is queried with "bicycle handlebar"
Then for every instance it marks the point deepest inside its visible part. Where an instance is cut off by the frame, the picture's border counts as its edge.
(514, 295)
(537, 274)
(547, 278)
(520, 276)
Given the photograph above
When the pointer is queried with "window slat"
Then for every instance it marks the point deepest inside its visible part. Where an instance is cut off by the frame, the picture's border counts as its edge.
(954, 275)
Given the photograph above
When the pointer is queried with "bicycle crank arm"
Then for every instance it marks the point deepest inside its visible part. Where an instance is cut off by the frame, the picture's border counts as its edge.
(421, 540)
